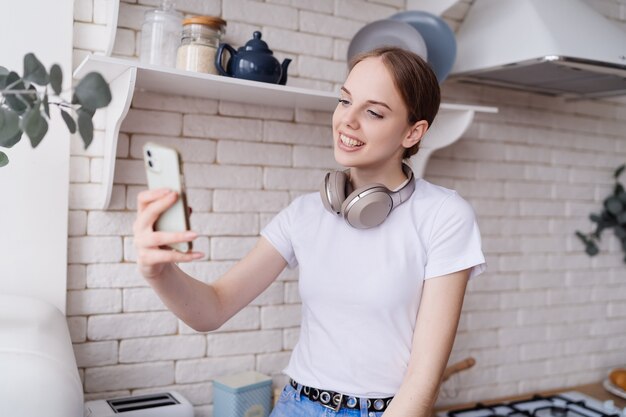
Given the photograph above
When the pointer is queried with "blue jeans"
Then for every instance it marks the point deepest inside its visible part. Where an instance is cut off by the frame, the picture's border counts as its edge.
(292, 404)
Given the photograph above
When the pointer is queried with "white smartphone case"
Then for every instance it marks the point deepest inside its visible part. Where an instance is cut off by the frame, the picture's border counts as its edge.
(164, 170)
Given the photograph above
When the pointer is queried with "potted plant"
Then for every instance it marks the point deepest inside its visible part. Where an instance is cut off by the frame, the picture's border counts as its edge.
(25, 103)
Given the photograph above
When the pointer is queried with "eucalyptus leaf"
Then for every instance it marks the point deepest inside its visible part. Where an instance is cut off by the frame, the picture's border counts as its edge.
(591, 249)
(46, 105)
(581, 236)
(93, 91)
(620, 232)
(614, 205)
(87, 110)
(56, 78)
(4, 159)
(12, 101)
(85, 127)
(9, 127)
(34, 125)
(619, 170)
(3, 78)
(69, 122)
(34, 71)
(595, 218)
(3, 70)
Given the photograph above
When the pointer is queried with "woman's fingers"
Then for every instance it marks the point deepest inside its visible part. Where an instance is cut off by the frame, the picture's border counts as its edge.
(157, 239)
(148, 196)
(149, 257)
(152, 210)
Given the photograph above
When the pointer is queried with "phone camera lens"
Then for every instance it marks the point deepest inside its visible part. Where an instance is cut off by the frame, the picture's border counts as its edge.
(150, 164)
(149, 153)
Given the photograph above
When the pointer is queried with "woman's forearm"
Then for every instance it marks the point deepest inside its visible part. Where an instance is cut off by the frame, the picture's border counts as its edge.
(194, 302)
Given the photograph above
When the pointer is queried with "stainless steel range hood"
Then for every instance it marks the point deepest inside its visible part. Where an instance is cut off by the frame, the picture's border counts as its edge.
(557, 47)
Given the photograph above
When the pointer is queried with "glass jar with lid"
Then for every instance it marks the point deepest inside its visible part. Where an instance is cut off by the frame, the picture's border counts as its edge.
(201, 37)
(160, 35)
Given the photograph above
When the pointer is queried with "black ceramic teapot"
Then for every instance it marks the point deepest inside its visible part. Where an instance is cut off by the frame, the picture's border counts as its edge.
(254, 61)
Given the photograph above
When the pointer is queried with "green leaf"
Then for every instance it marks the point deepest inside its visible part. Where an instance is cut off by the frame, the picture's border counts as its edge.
(591, 249)
(582, 237)
(4, 159)
(11, 99)
(614, 205)
(93, 91)
(595, 218)
(71, 124)
(34, 71)
(89, 111)
(85, 127)
(34, 125)
(620, 232)
(619, 171)
(3, 70)
(3, 78)
(56, 79)
(9, 128)
(46, 105)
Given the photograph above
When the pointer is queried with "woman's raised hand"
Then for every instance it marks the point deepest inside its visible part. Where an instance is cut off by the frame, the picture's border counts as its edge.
(151, 257)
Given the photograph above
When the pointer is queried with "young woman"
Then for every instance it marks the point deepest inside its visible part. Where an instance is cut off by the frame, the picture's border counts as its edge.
(398, 246)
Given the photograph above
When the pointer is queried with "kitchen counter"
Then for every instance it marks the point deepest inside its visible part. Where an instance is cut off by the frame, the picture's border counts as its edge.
(593, 390)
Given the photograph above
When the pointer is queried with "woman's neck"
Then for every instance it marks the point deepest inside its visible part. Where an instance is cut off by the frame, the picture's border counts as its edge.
(390, 176)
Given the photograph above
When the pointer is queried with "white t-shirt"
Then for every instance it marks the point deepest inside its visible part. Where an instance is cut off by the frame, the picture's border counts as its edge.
(361, 289)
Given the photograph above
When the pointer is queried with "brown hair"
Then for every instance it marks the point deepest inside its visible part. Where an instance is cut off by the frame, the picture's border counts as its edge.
(414, 79)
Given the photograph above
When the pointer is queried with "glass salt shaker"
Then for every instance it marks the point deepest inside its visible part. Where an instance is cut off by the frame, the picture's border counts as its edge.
(160, 35)
(200, 39)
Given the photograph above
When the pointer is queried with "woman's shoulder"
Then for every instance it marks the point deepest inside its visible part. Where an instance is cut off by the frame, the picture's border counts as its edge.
(427, 190)
(436, 197)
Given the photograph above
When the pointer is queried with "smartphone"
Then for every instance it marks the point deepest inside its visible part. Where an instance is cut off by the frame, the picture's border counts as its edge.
(164, 170)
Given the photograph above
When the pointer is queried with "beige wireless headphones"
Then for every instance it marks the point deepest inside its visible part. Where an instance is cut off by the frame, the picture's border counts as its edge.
(367, 206)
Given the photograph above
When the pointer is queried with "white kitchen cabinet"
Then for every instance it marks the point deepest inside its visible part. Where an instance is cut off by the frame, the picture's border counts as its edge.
(125, 76)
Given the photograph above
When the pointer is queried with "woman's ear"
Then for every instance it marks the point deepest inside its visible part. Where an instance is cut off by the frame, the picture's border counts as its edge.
(415, 134)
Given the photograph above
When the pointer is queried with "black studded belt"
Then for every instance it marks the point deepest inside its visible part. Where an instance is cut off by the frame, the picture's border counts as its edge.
(335, 400)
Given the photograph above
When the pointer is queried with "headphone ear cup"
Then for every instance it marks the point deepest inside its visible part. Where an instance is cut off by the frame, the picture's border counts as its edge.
(333, 191)
(367, 206)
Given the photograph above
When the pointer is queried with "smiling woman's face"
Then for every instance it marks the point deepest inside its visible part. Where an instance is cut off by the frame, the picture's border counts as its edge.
(370, 121)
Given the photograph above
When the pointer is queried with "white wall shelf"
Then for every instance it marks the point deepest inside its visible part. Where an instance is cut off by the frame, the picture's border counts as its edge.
(125, 76)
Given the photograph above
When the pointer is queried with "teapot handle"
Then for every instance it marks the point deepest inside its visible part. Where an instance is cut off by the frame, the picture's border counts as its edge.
(218, 58)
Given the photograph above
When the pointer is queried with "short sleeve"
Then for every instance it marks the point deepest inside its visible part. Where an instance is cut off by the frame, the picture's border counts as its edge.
(278, 233)
(455, 242)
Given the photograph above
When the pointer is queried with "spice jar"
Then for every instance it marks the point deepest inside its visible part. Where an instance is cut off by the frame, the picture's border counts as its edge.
(200, 39)
(160, 35)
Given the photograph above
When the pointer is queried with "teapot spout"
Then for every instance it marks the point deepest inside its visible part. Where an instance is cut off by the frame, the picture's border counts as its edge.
(283, 76)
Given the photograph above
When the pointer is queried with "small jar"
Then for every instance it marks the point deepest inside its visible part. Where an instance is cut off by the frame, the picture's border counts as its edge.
(200, 39)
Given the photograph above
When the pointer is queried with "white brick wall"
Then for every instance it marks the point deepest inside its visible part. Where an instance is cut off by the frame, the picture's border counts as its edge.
(544, 315)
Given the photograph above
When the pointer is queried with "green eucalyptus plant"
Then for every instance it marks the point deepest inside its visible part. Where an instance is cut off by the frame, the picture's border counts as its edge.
(25, 103)
(613, 216)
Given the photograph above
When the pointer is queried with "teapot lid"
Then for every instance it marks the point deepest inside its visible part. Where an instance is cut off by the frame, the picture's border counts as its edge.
(256, 44)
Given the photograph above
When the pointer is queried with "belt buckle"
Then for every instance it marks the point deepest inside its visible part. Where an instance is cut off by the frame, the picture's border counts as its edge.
(339, 400)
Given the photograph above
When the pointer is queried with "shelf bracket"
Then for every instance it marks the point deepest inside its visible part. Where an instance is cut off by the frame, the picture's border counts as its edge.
(113, 8)
(447, 129)
(122, 90)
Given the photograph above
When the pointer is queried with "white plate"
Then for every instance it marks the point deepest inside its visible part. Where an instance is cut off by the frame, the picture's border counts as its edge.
(387, 33)
(613, 389)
